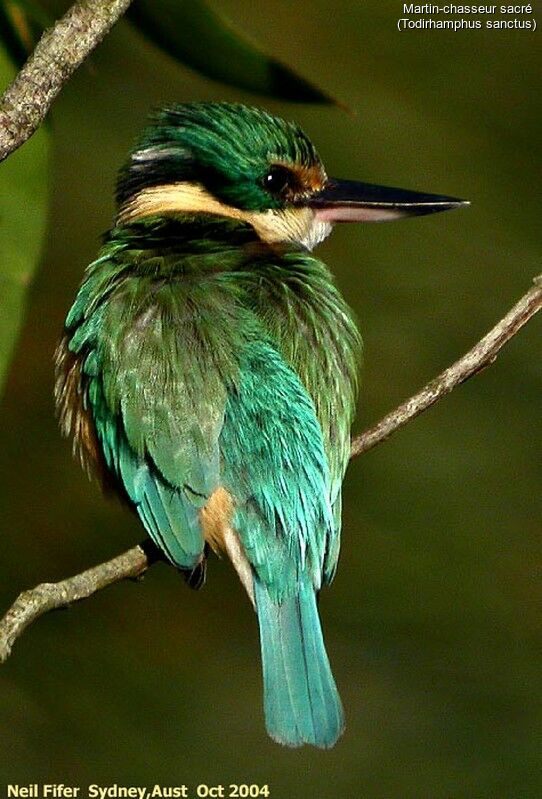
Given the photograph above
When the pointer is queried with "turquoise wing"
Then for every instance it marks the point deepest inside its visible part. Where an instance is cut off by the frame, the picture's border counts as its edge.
(155, 396)
(312, 327)
(275, 467)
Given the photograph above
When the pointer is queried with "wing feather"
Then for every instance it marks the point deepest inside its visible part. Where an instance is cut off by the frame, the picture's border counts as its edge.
(275, 465)
(138, 379)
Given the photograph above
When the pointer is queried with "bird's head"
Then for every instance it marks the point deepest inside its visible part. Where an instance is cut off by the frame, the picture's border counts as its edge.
(242, 163)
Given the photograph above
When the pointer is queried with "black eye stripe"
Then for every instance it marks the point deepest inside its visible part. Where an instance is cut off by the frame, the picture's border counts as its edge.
(277, 179)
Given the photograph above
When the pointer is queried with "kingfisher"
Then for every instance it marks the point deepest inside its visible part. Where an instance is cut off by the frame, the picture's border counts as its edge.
(208, 372)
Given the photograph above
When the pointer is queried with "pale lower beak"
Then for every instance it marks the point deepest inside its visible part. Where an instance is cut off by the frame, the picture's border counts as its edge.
(350, 201)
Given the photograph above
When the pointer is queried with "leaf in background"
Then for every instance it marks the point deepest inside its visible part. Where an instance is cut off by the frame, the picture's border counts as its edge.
(21, 26)
(203, 39)
(23, 212)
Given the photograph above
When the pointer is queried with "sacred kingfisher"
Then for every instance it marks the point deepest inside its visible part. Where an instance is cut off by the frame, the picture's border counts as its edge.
(208, 372)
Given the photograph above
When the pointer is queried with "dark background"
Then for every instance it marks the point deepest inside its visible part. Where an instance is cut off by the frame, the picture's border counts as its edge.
(433, 622)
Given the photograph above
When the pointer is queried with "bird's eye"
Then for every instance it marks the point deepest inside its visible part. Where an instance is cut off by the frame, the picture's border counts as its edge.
(277, 179)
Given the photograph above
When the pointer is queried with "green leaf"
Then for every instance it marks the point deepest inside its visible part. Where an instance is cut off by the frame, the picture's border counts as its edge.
(203, 39)
(23, 212)
(21, 25)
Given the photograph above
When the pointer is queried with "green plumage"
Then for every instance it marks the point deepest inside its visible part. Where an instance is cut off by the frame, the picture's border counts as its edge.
(207, 358)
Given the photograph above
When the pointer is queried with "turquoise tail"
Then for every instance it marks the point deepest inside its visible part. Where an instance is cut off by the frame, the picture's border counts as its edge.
(302, 704)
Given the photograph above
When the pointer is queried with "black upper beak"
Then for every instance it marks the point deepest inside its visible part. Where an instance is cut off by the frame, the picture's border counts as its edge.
(350, 201)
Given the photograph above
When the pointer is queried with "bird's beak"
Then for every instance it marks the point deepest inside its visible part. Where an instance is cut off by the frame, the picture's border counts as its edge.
(350, 201)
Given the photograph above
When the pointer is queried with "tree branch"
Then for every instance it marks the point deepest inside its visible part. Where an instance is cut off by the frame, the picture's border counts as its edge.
(59, 52)
(32, 604)
(475, 360)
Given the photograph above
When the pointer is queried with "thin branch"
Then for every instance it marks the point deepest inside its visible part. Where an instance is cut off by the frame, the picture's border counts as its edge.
(59, 52)
(475, 360)
(30, 605)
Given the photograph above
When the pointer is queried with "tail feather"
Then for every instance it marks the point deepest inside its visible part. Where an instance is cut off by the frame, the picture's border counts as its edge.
(302, 704)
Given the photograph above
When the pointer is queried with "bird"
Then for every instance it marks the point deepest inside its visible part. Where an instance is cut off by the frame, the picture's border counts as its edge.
(207, 373)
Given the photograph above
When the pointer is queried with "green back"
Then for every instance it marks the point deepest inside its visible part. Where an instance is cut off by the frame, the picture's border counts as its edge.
(190, 332)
